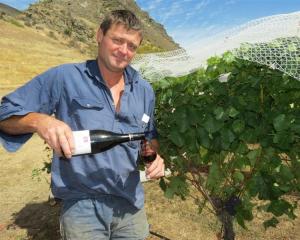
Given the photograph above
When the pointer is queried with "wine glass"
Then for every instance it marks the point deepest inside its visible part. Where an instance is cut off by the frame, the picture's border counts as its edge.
(147, 152)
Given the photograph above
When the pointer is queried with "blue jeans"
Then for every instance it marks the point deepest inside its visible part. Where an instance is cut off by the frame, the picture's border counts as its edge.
(106, 217)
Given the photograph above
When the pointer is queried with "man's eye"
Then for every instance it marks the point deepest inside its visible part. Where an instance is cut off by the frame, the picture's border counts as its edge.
(117, 40)
(132, 47)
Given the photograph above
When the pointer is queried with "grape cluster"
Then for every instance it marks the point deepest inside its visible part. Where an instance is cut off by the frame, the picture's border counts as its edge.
(231, 204)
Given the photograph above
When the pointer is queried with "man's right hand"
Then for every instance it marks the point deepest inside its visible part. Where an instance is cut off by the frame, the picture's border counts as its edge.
(57, 134)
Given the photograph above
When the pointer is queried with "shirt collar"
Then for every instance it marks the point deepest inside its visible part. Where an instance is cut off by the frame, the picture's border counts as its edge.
(93, 71)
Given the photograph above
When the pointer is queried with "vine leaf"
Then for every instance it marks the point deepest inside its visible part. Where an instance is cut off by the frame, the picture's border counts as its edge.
(176, 138)
(280, 123)
(271, 223)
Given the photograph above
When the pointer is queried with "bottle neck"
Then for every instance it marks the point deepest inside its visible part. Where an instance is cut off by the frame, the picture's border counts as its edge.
(100, 136)
(136, 136)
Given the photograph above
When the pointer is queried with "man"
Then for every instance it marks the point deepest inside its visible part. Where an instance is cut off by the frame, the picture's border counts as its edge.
(102, 194)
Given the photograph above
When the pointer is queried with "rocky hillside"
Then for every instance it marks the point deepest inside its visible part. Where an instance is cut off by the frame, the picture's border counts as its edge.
(78, 20)
(6, 10)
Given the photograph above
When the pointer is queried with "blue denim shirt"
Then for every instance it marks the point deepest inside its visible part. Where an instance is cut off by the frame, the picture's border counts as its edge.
(77, 95)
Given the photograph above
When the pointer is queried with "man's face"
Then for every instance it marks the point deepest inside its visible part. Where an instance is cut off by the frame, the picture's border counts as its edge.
(117, 47)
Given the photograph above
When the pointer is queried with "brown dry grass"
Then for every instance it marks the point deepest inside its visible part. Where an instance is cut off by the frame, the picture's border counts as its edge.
(179, 220)
(25, 52)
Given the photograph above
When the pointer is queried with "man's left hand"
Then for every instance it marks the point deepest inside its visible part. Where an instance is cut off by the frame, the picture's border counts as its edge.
(155, 169)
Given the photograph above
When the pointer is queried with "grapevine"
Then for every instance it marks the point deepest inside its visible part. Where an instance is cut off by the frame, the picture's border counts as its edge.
(232, 132)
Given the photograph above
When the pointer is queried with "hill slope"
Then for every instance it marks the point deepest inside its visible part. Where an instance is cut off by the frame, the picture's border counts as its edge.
(25, 52)
(79, 21)
(8, 10)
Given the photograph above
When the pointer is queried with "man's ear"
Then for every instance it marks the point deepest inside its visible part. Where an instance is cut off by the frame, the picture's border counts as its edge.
(99, 35)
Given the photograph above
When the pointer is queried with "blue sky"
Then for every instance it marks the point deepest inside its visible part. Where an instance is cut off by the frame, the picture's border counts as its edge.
(189, 20)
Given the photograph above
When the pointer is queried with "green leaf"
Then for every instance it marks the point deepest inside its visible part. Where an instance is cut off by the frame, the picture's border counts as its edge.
(252, 118)
(285, 188)
(211, 125)
(214, 176)
(203, 137)
(191, 141)
(242, 148)
(271, 223)
(213, 60)
(163, 184)
(182, 124)
(176, 138)
(286, 173)
(203, 152)
(217, 144)
(194, 116)
(283, 139)
(258, 186)
(240, 220)
(249, 136)
(247, 213)
(244, 212)
(238, 177)
(280, 123)
(177, 186)
(232, 112)
(227, 135)
(239, 163)
(228, 57)
(275, 161)
(253, 156)
(219, 113)
(295, 127)
(279, 207)
(238, 126)
(163, 83)
(169, 193)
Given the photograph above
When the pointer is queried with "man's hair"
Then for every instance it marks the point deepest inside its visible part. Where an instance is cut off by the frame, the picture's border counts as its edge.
(124, 17)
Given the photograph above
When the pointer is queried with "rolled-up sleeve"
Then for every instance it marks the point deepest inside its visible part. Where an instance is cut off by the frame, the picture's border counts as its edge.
(41, 95)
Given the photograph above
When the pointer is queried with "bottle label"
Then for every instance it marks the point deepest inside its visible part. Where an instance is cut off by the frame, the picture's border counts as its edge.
(82, 142)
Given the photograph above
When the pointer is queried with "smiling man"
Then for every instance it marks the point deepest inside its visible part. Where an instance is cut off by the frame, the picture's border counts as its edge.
(102, 196)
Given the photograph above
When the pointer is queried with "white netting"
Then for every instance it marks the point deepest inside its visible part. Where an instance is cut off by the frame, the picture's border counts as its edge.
(273, 41)
(282, 54)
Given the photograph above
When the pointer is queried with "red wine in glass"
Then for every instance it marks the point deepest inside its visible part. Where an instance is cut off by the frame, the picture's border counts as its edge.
(147, 153)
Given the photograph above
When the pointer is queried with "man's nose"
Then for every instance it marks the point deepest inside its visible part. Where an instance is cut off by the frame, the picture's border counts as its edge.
(123, 48)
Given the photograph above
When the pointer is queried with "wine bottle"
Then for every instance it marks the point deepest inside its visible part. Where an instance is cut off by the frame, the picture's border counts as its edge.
(96, 141)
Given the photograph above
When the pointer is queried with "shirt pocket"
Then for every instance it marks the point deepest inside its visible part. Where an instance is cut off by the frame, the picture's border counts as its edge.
(131, 124)
(88, 113)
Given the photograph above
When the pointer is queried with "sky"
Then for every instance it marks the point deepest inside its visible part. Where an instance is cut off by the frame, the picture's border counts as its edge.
(189, 20)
